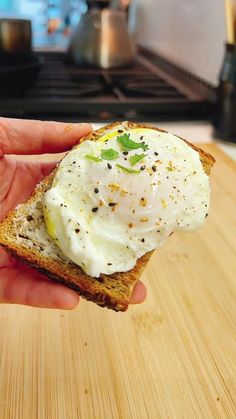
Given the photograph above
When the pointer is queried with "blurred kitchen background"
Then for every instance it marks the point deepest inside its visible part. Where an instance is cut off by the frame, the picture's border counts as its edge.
(191, 34)
(51, 20)
(145, 60)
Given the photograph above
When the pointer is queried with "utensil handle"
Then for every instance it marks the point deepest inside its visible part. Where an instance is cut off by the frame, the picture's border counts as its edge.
(229, 16)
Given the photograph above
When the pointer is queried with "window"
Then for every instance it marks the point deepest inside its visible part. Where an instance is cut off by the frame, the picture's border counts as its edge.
(5, 4)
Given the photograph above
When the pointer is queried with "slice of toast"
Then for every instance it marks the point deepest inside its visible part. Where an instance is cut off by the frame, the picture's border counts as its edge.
(23, 233)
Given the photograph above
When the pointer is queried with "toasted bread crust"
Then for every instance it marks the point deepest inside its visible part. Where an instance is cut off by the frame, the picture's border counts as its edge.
(113, 291)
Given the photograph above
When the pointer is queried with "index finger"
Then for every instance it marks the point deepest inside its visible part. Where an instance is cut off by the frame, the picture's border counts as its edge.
(19, 136)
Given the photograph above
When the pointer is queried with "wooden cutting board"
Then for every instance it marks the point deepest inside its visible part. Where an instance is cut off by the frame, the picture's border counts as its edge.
(172, 357)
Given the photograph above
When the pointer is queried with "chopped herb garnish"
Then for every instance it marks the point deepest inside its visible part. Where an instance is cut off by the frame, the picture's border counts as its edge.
(136, 158)
(126, 169)
(109, 154)
(94, 158)
(170, 167)
(129, 144)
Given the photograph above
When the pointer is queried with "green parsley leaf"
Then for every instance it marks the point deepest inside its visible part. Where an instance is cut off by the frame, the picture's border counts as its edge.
(109, 154)
(136, 158)
(170, 167)
(126, 169)
(129, 144)
(94, 158)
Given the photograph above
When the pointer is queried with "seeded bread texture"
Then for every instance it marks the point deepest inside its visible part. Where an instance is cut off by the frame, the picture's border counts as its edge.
(23, 233)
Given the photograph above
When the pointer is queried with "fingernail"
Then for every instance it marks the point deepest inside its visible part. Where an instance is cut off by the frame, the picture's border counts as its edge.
(69, 127)
(86, 125)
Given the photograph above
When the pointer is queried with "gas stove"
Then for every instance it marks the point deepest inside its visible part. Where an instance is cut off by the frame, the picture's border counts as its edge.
(153, 89)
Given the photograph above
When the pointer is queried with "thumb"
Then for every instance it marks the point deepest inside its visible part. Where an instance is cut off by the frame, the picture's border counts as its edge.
(35, 137)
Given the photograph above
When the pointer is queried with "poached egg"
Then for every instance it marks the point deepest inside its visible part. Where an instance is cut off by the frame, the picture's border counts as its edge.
(115, 199)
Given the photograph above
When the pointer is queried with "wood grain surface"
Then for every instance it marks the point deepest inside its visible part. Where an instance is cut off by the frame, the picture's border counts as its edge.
(172, 357)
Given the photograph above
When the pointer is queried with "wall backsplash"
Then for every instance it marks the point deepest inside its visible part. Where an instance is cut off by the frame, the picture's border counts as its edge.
(190, 33)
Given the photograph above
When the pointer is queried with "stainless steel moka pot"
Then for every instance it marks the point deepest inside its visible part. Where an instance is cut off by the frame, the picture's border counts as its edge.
(101, 39)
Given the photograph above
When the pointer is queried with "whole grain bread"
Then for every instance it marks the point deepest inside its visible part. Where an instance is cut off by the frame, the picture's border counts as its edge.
(23, 233)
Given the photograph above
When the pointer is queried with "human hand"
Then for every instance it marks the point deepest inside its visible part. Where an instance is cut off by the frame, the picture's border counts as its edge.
(20, 284)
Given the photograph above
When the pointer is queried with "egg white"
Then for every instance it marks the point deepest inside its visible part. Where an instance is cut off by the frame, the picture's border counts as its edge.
(170, 194)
